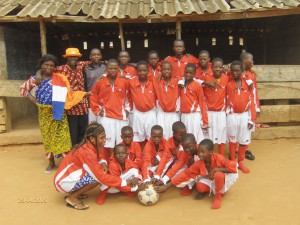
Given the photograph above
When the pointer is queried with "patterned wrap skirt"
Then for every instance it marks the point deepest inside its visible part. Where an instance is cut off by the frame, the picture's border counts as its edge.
(55, 133)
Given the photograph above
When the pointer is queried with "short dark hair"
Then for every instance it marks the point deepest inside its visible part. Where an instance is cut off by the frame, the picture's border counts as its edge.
(119, 146)
(95, 49)
(237, 63)
(123, 51)
(189, 137)
(46, 58)
(191, 65)
(157, 127)
(153, 52)
(217, 59)
(178, 40)
(142, 62)
(178, 126)
(204, 52)
(112, 61)
(208, 143)
(126, 128)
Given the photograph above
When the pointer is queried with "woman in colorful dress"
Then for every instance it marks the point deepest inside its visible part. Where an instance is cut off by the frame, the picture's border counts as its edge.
(52, 96)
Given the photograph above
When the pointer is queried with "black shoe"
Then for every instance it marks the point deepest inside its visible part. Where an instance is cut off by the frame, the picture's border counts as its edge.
(249, 155)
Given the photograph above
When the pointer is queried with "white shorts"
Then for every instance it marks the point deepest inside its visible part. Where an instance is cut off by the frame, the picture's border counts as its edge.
(92, 116)
(230, 179)
(130, 118)
(133, 172)
(142, 124)
(112, 130)
(193, 122)
(166, 120)
(237, 128)
(217, 127)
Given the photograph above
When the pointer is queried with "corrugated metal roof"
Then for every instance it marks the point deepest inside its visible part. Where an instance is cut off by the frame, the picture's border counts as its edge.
(133, 8)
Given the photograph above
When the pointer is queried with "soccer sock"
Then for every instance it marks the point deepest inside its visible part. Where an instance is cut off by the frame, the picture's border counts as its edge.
(232, 150)
(219, 179)
(241, 157)
(202, 188)
(101, 198)
(186, 191)
(221, 148)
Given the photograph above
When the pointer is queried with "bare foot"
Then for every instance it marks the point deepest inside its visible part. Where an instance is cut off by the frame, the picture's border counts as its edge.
(200, 196)
(49, 169)
(75, 203)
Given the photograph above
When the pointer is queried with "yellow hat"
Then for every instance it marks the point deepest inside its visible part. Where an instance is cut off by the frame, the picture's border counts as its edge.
(72, 52)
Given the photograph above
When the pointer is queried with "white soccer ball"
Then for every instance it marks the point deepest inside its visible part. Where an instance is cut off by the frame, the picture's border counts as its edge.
(148, 196)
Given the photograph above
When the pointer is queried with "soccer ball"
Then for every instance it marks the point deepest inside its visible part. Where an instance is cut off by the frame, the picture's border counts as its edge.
(148, 196)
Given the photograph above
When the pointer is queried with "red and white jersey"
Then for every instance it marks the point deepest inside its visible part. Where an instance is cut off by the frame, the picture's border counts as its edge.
(200, 73)
(149, 155)
(248, 74)
(240, 100)
(153, 73)
(77, 164)
(128, 72)
(198, 169)
(192, 100)
(167, 94)
(134, 153)
(110, 98)
(216, 98)
(178, 65)
(142, 96)
(115, 169)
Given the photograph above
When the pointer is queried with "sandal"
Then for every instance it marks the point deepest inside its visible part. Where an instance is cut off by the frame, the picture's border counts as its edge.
(79, 205)
(249, 155)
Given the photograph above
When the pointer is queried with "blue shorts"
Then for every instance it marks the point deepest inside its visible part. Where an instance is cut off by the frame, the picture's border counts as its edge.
(85, 180)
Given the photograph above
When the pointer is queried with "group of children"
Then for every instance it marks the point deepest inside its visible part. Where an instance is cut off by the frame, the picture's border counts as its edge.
(159, 123)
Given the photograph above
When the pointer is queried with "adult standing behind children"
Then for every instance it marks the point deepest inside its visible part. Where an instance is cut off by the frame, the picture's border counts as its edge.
(180, 59)
(78, 114)
(53, 95)
(92, 73)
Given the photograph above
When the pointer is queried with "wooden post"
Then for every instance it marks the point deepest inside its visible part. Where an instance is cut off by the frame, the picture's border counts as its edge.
(121, 36)
(178, 30)
(43, 37)
(264, 46)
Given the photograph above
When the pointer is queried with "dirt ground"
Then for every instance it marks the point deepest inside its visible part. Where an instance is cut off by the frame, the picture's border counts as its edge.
(268, 195)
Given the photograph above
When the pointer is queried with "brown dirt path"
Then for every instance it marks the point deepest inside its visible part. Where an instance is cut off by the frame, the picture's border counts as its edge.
(266, 196)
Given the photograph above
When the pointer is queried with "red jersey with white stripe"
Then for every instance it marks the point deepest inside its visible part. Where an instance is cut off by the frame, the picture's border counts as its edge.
(115, 169)
(200, 73)
(198, 169)
(77, 164)
(110, 98)
(240, 100)
(149, 155)
(134, 153)
(216, 98)
(251, 75)
(128, 72)
(178, 65)
(167, 94)
(154, 72)
(142, 96)
(192, 100)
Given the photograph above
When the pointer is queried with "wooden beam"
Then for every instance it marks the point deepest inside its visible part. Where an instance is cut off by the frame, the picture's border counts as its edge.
(232, 15)
(121, 36)
(43, 37)
(279, 114)
(277, 73)
(178, 30)
(280, 90)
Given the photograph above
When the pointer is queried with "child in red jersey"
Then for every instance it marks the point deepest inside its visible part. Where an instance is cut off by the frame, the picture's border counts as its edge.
(154, 64)
(241, 114)
(153, 152)
(180, 60)
(143, 100)
(133, 148)
(192, 105)
(212, 173)
(216, 104)
(167, 92)
(121, 166)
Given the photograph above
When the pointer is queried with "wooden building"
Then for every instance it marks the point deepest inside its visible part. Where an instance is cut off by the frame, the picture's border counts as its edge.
(270, 29)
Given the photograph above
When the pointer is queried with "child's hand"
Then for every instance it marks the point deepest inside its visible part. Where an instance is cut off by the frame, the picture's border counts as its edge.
(211, 174)
(160, 189)
(142, 186)
(156, 162)
(104, 167)
(250, 125)
(211, 84)
(101, 113)
(88, 94)
(134, 182)
(174, 152)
